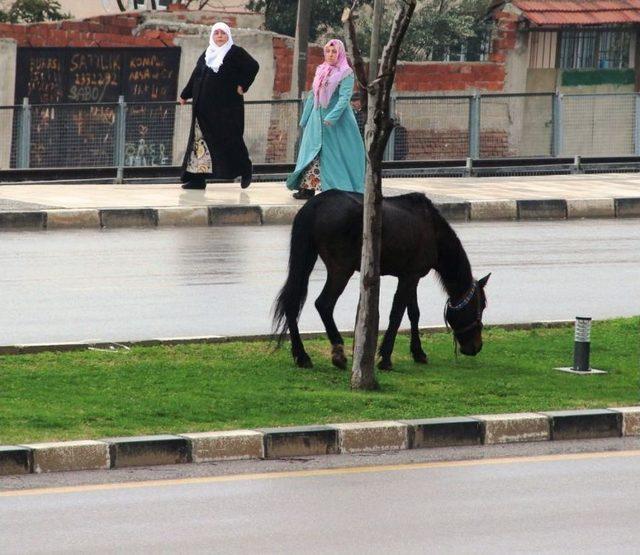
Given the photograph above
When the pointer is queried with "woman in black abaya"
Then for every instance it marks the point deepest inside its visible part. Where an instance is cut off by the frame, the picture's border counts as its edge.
(216, 148)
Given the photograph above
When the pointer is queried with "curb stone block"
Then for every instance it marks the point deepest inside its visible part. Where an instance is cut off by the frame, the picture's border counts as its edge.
(454, 211)
(183, 216)
(69, 455)
(148, 450)
(15, 460)
(279, 215)
(630, 420)
(493, 210)
(584, 424)
(128, 217)
(360, 437)
(235, 215)
(23, 220)
(444, 432)
(65, 219)
(514, 428)
(590, 208)
(548, 209)
(224, 446)
(299, 441)
(627, 207)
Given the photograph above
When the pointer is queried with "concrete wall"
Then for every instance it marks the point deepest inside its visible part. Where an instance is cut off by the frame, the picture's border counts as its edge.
(8, 51)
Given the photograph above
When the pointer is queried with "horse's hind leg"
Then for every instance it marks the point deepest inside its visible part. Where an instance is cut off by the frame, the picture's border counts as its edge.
(414, 317)
(400, 300)
(325, 303)
(300, 356)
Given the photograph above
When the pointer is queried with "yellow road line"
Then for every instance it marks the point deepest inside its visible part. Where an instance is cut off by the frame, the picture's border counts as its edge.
(321, 472)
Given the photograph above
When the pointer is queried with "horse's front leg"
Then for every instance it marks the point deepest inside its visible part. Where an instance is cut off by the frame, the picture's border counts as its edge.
(325, 303)
(400, 300)
(414, 317)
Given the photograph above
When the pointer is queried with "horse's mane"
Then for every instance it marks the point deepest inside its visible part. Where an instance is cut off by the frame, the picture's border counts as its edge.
(412, 199)
(455, 267)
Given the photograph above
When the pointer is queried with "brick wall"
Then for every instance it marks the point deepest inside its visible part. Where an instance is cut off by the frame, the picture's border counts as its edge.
(104, 31)
(420, 77)
(449, 76)
(277, 144)
(431, 144)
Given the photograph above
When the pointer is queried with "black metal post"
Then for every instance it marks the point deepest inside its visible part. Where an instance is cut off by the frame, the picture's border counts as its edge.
(582, 344)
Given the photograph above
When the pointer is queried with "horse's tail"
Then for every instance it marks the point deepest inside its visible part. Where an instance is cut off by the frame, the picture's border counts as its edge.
(302, 258)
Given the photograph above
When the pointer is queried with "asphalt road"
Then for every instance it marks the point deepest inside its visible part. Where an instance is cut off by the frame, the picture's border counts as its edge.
(538, 503)
(139, 284)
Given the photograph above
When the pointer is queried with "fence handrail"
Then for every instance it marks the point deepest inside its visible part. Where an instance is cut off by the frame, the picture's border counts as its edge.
(398, 97)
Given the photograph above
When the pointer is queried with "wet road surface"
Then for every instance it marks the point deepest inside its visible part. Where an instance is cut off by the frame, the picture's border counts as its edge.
(149, 283)
(573, 502)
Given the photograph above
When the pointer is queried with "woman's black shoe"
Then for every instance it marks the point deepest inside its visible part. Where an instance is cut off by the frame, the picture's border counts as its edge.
(195, 185)
(304, 194)
(245, 181)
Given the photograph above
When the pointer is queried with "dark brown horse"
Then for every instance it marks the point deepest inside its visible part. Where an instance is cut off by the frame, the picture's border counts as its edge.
(415, 239)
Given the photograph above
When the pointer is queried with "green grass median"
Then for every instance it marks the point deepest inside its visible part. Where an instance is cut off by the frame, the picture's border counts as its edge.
(190, 388)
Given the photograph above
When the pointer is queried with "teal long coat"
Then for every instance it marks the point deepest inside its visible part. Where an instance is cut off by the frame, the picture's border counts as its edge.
(339, 145)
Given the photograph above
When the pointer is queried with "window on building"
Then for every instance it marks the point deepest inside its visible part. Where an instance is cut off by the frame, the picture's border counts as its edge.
(592, 48)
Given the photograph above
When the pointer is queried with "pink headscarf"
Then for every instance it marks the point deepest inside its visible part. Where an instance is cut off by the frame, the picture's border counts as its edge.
(328, 76)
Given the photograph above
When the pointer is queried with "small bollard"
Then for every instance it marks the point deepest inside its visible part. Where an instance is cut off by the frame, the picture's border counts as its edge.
(582, 344)
(582, 348)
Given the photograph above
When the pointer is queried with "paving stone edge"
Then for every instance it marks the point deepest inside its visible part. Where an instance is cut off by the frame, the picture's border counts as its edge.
(297, 441)
(220, 215)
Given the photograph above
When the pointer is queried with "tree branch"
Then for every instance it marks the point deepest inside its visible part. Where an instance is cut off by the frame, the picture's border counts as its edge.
(386, 75)
(351, 40)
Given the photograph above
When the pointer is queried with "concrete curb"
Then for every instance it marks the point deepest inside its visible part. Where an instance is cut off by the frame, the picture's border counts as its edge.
(312, 441)
(221, 215)
(33, 348)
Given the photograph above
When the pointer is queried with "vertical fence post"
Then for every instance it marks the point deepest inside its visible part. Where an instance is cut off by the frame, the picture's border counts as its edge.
(556, 118)
(298, 135)
(474, 125)
(391, 143)
(120, 139)
(24, 135)
(636, 131)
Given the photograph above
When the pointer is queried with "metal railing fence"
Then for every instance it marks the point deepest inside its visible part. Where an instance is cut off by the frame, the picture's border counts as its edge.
(428, 128)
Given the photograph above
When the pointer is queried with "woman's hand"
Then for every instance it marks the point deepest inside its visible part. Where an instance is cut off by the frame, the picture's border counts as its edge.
(240, 91)
(182, 101)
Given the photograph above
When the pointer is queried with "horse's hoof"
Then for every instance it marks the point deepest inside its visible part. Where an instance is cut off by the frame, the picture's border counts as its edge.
(338, 358)
(385, 365)
(304, 361)
(339, 361)
(420, 358)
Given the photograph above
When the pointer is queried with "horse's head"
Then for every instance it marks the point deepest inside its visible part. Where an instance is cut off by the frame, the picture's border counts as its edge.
(465, 317)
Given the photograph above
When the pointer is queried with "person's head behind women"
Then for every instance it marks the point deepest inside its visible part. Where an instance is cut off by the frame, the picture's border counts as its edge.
(329, 73)
(220, 42)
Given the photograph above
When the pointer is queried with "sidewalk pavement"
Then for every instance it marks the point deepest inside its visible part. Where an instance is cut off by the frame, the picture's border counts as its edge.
(68, 205)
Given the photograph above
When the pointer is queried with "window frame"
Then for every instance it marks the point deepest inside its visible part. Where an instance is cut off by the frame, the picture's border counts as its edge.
(595, 52)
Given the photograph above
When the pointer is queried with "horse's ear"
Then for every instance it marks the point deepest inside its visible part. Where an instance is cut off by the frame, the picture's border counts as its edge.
(482, 282)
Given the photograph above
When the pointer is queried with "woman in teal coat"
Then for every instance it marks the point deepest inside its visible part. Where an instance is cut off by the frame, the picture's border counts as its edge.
(331, 153)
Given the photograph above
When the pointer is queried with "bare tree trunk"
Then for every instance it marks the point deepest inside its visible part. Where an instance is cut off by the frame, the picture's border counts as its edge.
(377, 131)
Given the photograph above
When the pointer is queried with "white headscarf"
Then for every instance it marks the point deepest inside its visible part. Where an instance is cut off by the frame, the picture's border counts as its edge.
(214, 55)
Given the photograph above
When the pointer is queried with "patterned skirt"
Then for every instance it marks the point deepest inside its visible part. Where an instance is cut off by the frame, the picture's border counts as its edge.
(311, 177)
(200, 158)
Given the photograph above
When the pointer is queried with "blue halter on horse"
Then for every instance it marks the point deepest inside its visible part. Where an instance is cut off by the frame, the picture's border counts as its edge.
(415, 240)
